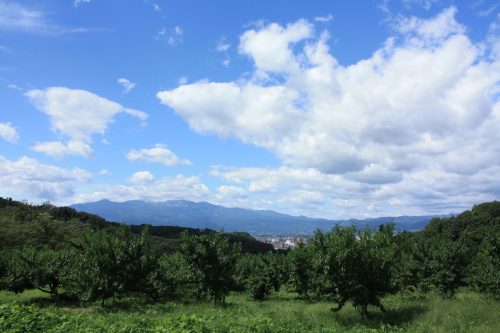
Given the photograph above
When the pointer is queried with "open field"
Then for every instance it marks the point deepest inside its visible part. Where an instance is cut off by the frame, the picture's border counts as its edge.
(283, 312)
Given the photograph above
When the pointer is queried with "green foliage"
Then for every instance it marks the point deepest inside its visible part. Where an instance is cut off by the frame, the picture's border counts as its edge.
(255, 274)
(448, 264)
(300, 269)
(17, 318)
(45, 269)
(169, 275)
(112, 265)
(360, 265)
(281, 313)
(212, 259)
(346, 265)
(16, 274)
(23, 224)
(408, 267)
(485, 268)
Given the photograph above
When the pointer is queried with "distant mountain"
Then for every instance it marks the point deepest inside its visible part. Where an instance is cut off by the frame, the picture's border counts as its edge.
(206, 215)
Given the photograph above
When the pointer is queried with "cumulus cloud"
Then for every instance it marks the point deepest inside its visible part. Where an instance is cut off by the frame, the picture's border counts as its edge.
(27, 177)
(78, 115)
(158, 154)
(271, 46)
(8, 132)
(316, 194)
(126, 84)
(141, 177)
(424, 106)
(263, 113)
(166, 188)
(436, 29)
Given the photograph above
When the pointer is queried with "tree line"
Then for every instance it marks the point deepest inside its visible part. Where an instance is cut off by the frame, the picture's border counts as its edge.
(343, 265)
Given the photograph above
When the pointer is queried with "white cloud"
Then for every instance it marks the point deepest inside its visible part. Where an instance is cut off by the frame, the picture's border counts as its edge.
(59, 149)
(14, 87)
(269, 47)
(158, 154)
(105, 172)
(141, 177)
(182, 80)
(167, 188)
(316, 194)
(78, 115)
(8, 132)
(222, 46)
(173, 36)
(262, 111)
(16, 17)
(27, 177)
(77, 3)
(324, 19)
(426, 4)
(231, 192)
(127, 85)
(436, 29)
(423, 106)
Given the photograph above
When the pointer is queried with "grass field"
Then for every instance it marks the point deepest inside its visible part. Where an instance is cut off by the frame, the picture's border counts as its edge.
(283, 312)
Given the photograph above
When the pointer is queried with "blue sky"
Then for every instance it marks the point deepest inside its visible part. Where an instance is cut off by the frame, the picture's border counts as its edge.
(335, 109)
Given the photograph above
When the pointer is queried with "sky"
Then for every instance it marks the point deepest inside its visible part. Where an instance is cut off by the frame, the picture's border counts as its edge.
(335, 109)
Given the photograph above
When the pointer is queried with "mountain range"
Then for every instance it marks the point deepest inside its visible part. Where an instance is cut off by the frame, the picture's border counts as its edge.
(204, 215)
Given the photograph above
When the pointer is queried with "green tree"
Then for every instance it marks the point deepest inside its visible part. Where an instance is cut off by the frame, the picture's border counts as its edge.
(300, 265)
(113, 264)
(165, 280)
(447, 264)
(47, 268)
(485, 268)
(360, 265)
(212, 259)
(259, 274)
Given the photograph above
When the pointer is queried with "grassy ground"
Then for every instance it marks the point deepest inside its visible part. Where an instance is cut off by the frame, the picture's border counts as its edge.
(283, 312)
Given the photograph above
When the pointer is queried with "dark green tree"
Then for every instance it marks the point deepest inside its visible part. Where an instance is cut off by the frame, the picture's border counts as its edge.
(300, 265)
(165, 280)
(113, 264)
(447, 264)
(212, 259)
(360, 265)
(484, 272)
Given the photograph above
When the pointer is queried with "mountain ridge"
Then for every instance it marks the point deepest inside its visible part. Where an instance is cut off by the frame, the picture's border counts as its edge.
(204, 214)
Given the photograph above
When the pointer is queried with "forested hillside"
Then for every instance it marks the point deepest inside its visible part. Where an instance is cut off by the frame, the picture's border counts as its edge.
(23, 224)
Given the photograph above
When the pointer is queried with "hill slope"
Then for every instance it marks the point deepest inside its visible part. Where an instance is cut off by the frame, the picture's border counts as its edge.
(23, 224)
